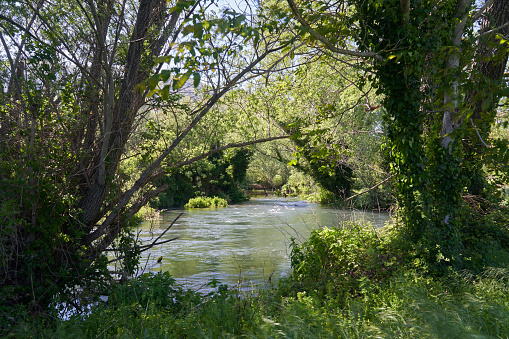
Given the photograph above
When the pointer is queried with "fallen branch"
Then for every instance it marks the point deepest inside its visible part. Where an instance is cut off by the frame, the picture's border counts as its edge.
(369, 189)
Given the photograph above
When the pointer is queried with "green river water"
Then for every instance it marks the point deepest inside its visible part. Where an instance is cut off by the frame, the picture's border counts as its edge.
(242, 245)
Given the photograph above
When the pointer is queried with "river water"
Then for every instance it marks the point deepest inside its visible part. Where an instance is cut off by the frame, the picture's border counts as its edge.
(242, 245)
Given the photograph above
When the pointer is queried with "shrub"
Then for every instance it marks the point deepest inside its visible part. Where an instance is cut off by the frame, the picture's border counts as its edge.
(340, 261)
(204, 202)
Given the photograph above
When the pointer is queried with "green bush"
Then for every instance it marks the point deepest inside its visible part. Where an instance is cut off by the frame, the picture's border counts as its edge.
(348, 283)
(204, 202)
(341, 261)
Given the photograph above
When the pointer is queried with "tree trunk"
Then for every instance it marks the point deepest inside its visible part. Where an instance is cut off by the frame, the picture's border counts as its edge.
(491, 62)
(150, 16)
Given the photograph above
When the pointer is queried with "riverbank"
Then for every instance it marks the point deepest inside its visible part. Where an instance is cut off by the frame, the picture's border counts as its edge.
(243, 244)
(370, 286)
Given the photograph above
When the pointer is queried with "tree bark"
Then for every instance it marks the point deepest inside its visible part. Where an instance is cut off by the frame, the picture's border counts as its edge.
(118, 124)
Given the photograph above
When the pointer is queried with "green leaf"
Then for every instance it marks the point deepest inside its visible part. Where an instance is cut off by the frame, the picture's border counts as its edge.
(485, 105)
(153, 81)
(163, 59)
(196, 79)
(151, 93)
(504, 92)
(165, 75)
(178, 83)
(165, 92)
(198, 31)
(187, 30)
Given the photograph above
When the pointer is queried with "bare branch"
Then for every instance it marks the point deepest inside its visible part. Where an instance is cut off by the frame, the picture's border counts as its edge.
(478, 134)
(496, 30)
(12, 22)
(153, 243)
(480, 11)
(230, 145)
(369, 189)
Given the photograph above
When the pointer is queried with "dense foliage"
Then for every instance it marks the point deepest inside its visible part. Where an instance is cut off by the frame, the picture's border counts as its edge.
(205, 202)
(218, 175)
(425, 60)
(87, 127)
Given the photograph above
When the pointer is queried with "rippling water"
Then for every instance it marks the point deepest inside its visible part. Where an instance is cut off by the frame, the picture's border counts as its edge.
(242, 244)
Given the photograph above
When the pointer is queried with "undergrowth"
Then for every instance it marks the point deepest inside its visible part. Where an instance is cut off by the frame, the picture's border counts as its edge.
(349, 282)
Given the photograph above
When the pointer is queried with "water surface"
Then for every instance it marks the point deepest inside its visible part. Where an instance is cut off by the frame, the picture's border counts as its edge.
(244, 244)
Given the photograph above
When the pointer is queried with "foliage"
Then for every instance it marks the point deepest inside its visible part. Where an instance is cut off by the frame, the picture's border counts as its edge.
(266, 169)
(298, 184)
(386, 295)
(205, 202)
(221, 174)
(341, 261)
(82, 85)
(335, 126)
(430, 95)
(155, 306)
(80, 98)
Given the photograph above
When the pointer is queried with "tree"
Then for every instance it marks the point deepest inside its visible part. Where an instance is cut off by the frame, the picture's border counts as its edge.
(421, 58)
(81, 82)
(336, 126)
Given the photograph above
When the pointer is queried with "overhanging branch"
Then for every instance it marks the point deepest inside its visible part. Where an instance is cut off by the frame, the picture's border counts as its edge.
(326, 41)
(143, 179)
(230, 145)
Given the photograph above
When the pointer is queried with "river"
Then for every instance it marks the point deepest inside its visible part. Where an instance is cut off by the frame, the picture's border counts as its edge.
(242, 245)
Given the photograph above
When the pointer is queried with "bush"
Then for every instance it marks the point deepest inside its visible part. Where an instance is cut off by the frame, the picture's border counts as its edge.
(340, 261)
(348, 282)
(204, 202)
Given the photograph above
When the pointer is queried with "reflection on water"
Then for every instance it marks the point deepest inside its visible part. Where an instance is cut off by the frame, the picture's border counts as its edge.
(241, 244)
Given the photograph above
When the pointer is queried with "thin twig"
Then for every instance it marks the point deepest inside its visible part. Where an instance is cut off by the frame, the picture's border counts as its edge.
(107, 328)
(149, 246)
(481, 10)
(479, 135)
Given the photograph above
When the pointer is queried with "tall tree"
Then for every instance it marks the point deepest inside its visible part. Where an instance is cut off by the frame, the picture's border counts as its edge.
(421, 56)
(490, 64)
(79, 84)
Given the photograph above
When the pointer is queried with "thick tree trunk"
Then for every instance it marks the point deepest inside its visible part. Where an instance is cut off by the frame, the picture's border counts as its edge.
(118, 123)
(493, 55)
